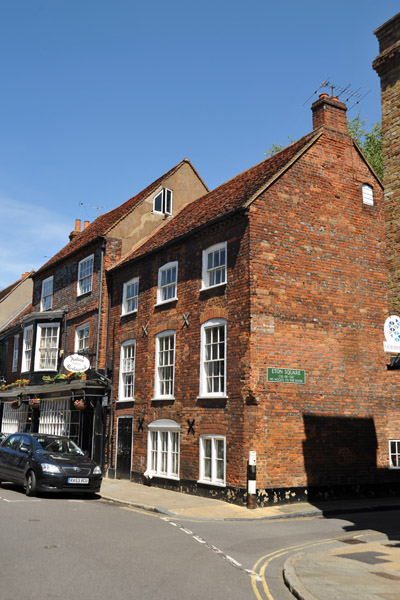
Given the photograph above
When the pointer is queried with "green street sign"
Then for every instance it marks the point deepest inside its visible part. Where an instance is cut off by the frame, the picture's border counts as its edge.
(278, 375)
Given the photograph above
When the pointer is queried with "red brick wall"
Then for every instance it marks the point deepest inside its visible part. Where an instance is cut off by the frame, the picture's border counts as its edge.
(319, 304)
(307, 290)
(230, 302)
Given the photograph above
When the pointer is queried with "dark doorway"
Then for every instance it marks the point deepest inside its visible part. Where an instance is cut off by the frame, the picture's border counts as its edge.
(124, 447)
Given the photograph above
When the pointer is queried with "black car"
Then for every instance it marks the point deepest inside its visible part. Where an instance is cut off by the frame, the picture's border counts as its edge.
(47, 463)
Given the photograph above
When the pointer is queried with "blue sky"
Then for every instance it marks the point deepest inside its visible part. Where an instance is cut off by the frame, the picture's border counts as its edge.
(100, 97)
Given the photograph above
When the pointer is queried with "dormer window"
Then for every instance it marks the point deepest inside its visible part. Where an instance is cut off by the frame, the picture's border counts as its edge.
(367, 194)
(163, 202)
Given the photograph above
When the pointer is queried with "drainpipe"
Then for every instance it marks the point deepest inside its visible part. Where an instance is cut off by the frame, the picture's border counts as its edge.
(103, 248)
(110, 423)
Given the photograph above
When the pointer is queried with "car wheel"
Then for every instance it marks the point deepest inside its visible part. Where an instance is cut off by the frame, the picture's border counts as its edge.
(30, 484)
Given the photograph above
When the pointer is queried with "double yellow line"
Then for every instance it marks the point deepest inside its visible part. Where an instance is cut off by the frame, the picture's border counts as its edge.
(259, 572)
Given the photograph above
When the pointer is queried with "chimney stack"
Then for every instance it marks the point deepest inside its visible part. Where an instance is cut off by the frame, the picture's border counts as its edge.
(329, 113)
(76, 231)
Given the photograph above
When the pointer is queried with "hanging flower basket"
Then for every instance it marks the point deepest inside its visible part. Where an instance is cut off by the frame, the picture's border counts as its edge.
(80, 404)
(15, 404)
(34, 402)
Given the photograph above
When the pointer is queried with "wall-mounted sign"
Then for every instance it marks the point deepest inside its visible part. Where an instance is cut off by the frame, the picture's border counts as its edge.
(278, 375)
(392, 334)
(76, 363)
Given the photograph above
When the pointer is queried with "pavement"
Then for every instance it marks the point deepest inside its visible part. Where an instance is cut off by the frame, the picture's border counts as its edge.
(357, 570)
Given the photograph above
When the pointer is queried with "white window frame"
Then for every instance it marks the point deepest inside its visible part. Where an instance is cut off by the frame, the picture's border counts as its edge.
(14, 366)
(27, 349)
(163, 449)
(165, 196)
(368, 194)
(85, 278)
(164, 287)
(208, 273)
(46, 301)
(78, 338)
(394, 454)
(213, 459)
(123, 372)
(162, 362)
(40, 328)
(126, 307)
(205, 363)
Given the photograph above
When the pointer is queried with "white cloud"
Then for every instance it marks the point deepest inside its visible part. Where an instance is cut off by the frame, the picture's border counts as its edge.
(29, 236)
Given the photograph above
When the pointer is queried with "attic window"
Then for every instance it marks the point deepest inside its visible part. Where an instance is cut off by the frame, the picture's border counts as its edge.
(367, 194)
(163, 202)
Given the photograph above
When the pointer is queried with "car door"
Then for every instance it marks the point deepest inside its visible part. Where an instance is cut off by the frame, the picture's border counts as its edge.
(21, 458)
(7, 457)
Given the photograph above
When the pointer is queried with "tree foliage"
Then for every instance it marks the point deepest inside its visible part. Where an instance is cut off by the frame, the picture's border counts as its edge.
(370, 143)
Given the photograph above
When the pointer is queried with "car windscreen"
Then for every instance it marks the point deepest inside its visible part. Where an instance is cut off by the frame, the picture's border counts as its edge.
(58, 446)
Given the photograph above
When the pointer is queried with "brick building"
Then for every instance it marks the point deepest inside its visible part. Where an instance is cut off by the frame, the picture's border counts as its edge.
(254, 322)
(68, 317)
(387, 66)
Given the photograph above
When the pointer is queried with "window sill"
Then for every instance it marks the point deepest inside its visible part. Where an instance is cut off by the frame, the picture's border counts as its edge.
(213, 397)
(163, 398)
(212, 287)
(163, 476)
(122, 400)
(166, 301)
(126, 314)
(213, 483)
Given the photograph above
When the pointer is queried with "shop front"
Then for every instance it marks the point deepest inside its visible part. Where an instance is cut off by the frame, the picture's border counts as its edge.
(76, 409)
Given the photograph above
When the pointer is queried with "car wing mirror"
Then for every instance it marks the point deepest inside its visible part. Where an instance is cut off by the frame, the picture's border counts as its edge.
(24, 448)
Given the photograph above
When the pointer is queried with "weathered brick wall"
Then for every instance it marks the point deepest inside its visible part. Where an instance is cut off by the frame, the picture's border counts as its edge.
(231, 302)
(387, 65)
(81, 309)
(319, 302)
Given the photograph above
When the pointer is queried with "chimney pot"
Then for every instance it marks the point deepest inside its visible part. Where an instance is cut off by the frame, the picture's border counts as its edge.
(85, 224)
(76, 231)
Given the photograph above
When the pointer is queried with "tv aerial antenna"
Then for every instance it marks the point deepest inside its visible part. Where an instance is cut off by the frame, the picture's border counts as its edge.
(97, 208)
(345, 94)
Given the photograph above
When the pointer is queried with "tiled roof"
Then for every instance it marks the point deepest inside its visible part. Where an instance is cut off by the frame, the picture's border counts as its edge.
(235, 194)
(10, 288)
(101, 226)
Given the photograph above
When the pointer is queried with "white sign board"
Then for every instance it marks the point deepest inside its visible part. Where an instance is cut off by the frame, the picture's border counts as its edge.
(392, 334)
(76, 363)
